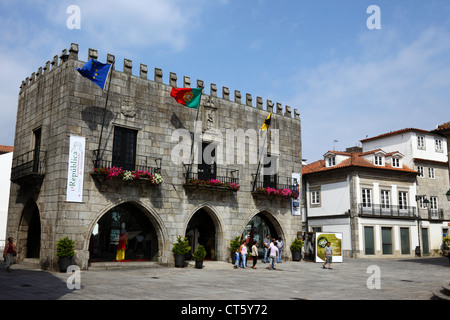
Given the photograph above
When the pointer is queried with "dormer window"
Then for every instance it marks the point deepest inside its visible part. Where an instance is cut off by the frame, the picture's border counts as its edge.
(378, 160)
(331, 161)
(396, 162)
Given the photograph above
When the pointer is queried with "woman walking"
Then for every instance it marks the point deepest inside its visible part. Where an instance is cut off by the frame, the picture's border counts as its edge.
(254, 253)
(9, 253)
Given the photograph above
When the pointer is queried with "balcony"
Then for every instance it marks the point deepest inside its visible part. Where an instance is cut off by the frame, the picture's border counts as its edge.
(212, 177)
(141, 171)
(28, 168)
(273, 187)
(389, 211)
(436, 214)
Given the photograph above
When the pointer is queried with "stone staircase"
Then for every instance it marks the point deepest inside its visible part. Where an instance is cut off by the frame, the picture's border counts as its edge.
(443, 294)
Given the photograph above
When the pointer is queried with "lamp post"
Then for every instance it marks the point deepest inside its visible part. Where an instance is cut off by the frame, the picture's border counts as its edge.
(448, 195)
(425, 201)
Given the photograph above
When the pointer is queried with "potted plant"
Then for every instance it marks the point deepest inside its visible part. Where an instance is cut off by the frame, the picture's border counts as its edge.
(65, 252)
(234, 244)
(199, 255)
(296, 248)
(180, 249)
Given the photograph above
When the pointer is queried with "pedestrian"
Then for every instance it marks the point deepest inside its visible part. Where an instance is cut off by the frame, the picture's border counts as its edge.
(280, 248)
(9, 253)
(328, 256)
(273, 255)
(243, 251)
(236, 258)
(255, 253)
(266, 247)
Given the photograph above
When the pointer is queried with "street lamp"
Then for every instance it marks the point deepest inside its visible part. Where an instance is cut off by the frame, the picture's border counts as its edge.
(425, 202)
(448, 195)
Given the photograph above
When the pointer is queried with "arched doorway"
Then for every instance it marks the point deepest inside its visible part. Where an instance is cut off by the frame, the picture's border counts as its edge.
(127, 224)
(257, 229)
(29, 235)
(201, 230)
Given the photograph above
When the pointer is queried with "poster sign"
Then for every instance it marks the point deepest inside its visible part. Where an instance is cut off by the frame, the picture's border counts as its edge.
(75, 172)
(335, 240)
(296, 201)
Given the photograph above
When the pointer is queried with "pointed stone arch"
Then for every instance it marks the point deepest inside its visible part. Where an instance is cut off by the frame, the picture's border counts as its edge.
(158, 251)
(214, 239)
(30, 231)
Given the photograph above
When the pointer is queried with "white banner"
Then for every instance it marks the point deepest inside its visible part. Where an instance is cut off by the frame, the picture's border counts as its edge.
(296, 202)
(75, 172)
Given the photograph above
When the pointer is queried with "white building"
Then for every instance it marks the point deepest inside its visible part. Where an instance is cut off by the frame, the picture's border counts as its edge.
(425, 152)
(369, 197)
(5, 176)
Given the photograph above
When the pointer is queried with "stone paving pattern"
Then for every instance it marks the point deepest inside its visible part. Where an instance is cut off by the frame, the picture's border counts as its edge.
(401, 279)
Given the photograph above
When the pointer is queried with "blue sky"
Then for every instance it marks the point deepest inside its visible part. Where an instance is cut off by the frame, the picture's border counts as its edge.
(347, 81)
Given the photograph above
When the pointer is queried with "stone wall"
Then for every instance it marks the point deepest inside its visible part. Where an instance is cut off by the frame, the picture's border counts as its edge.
(62, 103)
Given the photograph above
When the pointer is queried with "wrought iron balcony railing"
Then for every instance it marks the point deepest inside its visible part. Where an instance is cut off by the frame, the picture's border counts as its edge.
(143, 163)
(213, 172)
(436, 214)
(273, 181)
(378, 210)
(28, 164)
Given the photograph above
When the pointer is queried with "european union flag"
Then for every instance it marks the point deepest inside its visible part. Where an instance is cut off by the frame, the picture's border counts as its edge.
(95, 71)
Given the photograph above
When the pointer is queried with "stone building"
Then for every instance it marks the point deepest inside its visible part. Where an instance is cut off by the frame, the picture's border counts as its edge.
(134, 124)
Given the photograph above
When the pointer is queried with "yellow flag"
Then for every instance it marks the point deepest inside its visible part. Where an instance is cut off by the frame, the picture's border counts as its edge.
(266, 124)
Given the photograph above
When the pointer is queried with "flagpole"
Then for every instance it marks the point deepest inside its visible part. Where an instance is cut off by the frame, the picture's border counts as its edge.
(259, 161)
(192, 144)
(104, 114)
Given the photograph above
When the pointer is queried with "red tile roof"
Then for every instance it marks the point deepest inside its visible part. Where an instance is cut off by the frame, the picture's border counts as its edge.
(393, 133)
(6, 149)
(354, 160)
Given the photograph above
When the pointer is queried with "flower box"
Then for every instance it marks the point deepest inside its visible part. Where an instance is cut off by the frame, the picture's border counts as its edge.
(117, 174)
(212, 184)
(273, 193)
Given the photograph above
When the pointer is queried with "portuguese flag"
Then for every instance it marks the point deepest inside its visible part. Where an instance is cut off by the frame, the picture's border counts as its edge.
(189, 97)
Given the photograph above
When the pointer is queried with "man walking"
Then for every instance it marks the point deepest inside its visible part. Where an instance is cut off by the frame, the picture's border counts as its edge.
(328, 256)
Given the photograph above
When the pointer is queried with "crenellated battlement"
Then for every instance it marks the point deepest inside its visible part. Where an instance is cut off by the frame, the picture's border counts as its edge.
(72, 54)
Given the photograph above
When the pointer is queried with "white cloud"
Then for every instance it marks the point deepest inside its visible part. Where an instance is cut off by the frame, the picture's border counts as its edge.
(350, 98)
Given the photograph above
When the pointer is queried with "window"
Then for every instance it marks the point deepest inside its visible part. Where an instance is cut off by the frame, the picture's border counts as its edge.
(315, 197)
(270, 171)
(421, 142)
(385, 199)
(386, 238)
(366, 198)
(207, 168)
(433, 203)
(396, 162)
(378, 160)
(331, 161)
(369, 247)
(420, 170)
(402, 200)
(404, 241)
(124, 148)
(431, 173)
(422, 203)
(438, 145)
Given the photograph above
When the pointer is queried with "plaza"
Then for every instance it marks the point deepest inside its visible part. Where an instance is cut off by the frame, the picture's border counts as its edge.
(399, 279)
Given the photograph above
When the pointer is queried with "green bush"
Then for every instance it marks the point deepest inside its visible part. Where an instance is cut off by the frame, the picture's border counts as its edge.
(200, 253)
(181, 247)
(65, 248)
(235, 244)
(296, 245)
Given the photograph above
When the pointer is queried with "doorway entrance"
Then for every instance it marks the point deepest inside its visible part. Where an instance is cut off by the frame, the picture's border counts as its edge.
(201, 230)
(124, 233)
(29, 235)
(257, 229)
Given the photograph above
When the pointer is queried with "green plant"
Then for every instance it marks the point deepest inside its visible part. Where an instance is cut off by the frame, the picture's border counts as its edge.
(200, 253)
(181, 246)
(446, 241)
(296, 245)
(235, 244)
(65, 248)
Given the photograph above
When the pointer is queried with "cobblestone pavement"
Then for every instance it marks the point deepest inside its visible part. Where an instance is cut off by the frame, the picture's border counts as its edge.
(399, 279)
